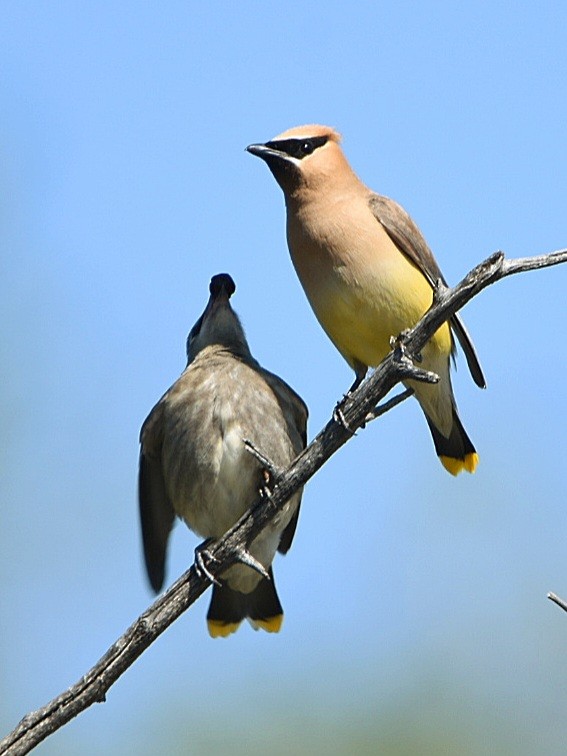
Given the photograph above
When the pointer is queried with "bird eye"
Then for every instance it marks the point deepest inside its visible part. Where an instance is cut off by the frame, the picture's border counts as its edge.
(297, 148)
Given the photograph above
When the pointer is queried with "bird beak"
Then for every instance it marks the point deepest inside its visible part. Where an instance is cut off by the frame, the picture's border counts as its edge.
(220, 299)
(265, 153)
(217, 301)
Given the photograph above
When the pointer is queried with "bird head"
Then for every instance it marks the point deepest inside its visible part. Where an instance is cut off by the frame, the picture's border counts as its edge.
(303, 157)
(219, 324)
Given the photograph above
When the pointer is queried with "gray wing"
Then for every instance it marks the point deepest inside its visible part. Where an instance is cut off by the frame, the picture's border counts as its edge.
(156, 510)
(409, 240)
(293, 407)
(295, 413)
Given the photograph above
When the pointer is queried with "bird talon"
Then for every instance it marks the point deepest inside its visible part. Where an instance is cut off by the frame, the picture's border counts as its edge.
(398, 345)
(267, 487)
(339, 417)
(439, 289)
(202, 554)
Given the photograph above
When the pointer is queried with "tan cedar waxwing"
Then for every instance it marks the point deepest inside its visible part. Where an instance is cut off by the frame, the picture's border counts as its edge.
(367, 272)
(194, 464)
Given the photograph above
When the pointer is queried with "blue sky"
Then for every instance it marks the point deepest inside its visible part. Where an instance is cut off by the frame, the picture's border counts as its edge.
(416, 609)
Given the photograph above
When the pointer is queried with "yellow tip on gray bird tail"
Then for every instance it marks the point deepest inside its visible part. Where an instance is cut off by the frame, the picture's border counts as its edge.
(261, 607)
(219, 629)
(269, 624)
(455, 466)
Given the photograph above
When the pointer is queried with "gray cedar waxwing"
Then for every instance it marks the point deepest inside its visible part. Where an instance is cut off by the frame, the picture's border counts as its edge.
(367, 272)
(194, 464)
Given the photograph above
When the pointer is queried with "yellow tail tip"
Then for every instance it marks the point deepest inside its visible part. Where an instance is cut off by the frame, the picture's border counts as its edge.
(471, 461)
(219, 629)
(455, 466)
(270, 624)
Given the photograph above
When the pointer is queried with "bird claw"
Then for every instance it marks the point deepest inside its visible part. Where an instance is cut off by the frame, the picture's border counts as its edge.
(245, 557)
(339, 417)
(398, 345)
(202, 554)
(439, 289)
(267, 487)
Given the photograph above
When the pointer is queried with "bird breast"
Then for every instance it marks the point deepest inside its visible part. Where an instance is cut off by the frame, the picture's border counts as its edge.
(362, 288)
(211, 477)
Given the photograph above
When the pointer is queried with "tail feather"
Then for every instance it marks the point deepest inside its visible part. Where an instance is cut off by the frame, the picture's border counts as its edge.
(264, 609)
(226, 611)
(229, 607)
(457, 452)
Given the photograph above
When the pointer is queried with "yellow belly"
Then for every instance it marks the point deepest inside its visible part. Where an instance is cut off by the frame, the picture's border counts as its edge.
(360, 316)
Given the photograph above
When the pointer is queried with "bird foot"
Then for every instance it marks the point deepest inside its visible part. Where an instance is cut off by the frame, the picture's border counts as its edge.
(439, 291)
(203, 555)
(338, 415)
(267, 486)
(398, 345)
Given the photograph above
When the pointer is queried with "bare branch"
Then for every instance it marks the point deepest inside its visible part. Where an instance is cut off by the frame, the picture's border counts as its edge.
(358, 407)
(559, 601)
(381, 409)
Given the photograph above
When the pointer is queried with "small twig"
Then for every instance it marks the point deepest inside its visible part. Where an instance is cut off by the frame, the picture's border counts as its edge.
(381, 409)
(267, 464)
(245, 557)
(559, 601)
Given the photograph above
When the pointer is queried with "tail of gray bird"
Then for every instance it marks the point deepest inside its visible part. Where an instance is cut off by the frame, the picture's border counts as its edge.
(261, 608)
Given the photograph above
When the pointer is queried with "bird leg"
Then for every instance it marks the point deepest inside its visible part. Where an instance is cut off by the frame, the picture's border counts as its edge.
(202, 554)
(398, 345)
(357, 381)
(338, 416)
(406, 362)
(440, 289)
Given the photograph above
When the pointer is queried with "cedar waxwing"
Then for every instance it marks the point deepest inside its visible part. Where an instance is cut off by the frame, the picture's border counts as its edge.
(194, 464)
(367, 272)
